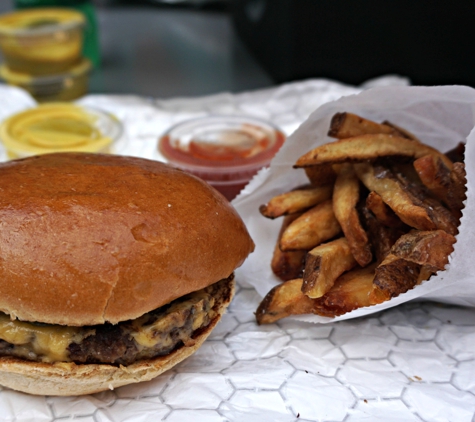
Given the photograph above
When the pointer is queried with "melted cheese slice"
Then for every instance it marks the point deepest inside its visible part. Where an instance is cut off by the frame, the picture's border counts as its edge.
(148, 335)
(48, 341)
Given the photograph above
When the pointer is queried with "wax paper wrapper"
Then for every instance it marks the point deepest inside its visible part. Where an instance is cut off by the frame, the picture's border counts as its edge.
(414, 362)
(440, 116)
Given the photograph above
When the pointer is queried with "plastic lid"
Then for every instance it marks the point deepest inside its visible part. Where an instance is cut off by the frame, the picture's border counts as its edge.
(38, 21)
(221, 149)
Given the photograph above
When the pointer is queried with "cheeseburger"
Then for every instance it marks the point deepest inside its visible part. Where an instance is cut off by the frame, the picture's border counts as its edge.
(112, 270)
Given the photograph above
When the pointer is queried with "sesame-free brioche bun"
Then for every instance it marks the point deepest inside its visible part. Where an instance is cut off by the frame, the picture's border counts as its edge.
(87, 239)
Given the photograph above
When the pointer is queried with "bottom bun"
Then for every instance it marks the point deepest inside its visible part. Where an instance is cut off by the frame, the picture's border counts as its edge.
(70, 379)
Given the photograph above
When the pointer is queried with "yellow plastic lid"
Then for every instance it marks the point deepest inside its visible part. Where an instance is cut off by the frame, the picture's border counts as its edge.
(20, 78)
(57, 127)
(39, 20)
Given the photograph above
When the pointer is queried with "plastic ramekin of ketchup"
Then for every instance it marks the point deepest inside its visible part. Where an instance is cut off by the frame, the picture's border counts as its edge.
(225, 151)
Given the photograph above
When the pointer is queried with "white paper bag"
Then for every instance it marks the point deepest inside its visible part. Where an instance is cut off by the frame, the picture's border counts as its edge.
(440, 116)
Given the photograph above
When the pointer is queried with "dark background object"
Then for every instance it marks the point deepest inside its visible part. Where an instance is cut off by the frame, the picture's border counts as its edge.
(353, 41)
(216, 5)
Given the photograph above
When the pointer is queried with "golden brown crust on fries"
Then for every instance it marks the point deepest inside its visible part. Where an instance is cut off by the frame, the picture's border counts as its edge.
(425, 247)
(401, 269)
(382, 237)
(397, 203)
(282, 301)
(324, 264)
(441, 216)
(287, 265)
(434, 174)
(348, 125)
(350, 291)
(457, 192)
(296, 201)
(395, 276)
(346, 195)
(367, 148)
(312, 228)
(384, 183)
(321, 174)
(382, 212)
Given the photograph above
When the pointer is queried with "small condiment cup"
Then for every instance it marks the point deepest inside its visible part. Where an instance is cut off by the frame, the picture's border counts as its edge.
(42, 41)
(224, 150)
(66, 86)
(60, 127)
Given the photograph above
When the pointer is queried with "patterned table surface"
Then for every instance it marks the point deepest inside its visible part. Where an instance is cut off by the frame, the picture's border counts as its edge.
(414, 362)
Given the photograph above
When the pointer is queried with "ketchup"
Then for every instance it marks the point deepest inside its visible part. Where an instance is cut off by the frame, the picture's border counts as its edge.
(225, 151)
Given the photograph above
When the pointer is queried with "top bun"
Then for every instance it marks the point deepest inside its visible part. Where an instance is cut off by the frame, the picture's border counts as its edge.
(88, 238)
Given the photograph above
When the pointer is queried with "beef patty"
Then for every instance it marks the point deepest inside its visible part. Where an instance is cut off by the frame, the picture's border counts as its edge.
(154, 334)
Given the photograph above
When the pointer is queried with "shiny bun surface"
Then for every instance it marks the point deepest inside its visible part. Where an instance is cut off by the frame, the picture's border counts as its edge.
(88, 238)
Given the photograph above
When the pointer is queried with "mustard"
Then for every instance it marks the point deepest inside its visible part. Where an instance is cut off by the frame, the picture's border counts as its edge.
(53, 127)
(42, 41)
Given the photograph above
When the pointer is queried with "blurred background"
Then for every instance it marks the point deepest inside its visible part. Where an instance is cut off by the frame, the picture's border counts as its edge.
(165, 49)
(170, 48)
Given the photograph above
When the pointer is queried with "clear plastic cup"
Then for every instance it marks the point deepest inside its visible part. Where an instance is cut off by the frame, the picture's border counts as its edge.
(61, 127)
(41, 41)
(225, 151)
(66, 86)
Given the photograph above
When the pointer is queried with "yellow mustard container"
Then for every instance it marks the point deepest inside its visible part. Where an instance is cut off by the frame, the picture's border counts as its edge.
(41, 41)
(63, 87)
(59, 127)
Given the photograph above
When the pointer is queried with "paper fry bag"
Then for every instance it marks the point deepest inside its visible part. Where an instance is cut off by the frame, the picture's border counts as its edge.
(439, 116)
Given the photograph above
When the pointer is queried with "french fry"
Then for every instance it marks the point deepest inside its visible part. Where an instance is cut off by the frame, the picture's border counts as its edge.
(383, 182)
(324, 264)
(413, 258)
(379, 244)
(287, 265)
(348, 125)
(409, 201)
(381, 237)
(441, 216)
(312, 228)
(296, 201)
(406, 169)
(425, 248)
(382, 212)
(282, 301)
(367, 148)
(321, 174)
(350, 291)
(446, 185)
(434, 174)
(346, 194)
(457, 192)
(394, 276)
